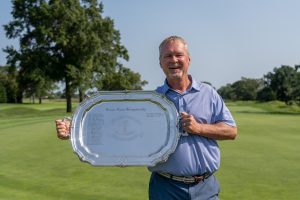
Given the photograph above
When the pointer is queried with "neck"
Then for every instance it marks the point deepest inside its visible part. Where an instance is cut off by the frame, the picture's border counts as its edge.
(180, 85)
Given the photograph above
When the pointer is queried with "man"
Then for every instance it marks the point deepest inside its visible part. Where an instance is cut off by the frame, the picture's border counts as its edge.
(188, 172)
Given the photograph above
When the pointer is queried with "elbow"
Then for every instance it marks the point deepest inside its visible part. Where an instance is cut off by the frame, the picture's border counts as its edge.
(233, 133)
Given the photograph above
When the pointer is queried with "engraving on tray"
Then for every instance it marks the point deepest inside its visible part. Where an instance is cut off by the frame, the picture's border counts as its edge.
(126, 128)
(95, 124)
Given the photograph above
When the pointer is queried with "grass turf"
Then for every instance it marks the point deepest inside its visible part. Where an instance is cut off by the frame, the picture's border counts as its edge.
(262, 163)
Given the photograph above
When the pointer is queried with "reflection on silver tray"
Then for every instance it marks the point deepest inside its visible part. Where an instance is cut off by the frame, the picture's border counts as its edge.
(125, 128)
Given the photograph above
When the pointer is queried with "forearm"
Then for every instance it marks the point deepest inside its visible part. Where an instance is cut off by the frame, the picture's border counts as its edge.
(218, 131)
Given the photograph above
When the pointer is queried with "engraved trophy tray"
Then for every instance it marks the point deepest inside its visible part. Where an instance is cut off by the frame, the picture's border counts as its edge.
(125, 128)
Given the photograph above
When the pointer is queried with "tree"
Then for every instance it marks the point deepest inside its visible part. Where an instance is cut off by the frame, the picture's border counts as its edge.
(8, 76)
(37, 85)
(296, 88)
(3, 98)
(3, 80)
(227, 92)
(67, 40)
(246, 88)
(266, 94)
(122, 79)
(282, 81)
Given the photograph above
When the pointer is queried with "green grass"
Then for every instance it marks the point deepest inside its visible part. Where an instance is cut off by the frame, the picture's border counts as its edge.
(36, 165)
(262, 163)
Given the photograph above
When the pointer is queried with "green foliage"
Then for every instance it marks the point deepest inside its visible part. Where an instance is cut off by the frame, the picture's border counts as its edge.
(266, 94)
(282, 84)
(66, 41)
(282, 81)
(8, 79)
(227, 92)
(244, 89)
(296, 88)
(123, 79)
(3, 98)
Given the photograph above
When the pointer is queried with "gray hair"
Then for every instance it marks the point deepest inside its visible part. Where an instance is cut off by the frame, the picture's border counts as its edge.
(172, 38)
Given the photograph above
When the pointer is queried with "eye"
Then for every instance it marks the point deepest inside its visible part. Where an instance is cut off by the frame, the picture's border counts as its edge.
(179, 55)
(168, 56)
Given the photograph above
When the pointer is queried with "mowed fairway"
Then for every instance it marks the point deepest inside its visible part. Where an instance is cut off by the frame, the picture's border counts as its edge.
(36, 165)
(262, 163)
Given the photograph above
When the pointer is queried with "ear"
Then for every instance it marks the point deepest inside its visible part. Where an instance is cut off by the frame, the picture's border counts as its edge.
(160, 63)
(189, 60)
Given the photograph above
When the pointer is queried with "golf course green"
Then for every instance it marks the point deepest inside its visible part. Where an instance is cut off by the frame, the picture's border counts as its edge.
(262, 163)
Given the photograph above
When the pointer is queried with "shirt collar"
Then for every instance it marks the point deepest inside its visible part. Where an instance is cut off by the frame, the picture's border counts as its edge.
(195, 85)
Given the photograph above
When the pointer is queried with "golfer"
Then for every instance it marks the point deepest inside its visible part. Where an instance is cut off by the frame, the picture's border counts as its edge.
(188, 174)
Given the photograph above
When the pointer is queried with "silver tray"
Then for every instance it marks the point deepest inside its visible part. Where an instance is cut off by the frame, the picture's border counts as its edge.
(125, 128)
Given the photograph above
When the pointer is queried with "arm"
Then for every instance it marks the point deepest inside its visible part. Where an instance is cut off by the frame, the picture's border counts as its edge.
(218, 131)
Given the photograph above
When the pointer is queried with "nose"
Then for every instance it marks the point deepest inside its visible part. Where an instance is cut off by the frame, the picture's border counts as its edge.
(173, 58)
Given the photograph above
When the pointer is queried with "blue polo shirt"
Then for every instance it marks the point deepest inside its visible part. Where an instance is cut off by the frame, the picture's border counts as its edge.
(195, 154)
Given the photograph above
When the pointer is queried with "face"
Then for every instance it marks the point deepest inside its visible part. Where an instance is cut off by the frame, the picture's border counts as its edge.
(174, 60)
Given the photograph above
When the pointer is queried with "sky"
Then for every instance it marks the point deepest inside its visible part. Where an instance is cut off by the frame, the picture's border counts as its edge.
(227, 39)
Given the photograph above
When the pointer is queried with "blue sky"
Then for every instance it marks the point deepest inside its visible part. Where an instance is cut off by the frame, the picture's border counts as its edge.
(227, 39)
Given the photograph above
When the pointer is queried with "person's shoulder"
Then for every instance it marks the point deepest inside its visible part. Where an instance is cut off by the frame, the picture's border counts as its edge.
(205, 86)
(207, 89)
(159, 88)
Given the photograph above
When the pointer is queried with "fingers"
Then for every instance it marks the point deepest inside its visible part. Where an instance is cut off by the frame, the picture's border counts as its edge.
(62, 129)
(187, 122)
(186, 118)
(182, 114)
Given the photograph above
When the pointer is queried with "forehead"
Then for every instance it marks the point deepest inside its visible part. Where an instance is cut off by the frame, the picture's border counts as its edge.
(173, 46)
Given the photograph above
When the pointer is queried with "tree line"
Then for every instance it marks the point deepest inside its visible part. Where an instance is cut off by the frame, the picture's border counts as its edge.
(72, 42)
(66, 41)
(282, 84)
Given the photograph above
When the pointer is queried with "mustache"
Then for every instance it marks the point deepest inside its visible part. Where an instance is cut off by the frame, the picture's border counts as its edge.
(174, 66)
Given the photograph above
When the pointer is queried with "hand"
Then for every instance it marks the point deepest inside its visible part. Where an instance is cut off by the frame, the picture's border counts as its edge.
(217, 131)
(189, 123)
(63, 129)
